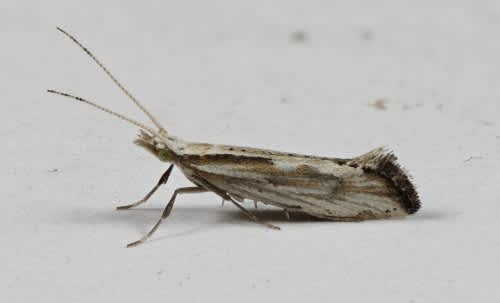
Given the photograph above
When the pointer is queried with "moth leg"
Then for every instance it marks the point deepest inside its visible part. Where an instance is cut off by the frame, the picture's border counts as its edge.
(287, 214)
(225, 196)
(167, 210)
(253, 217)
(163, 180)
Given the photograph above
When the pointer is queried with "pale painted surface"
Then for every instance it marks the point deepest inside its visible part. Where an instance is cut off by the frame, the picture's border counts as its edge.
(227, 72)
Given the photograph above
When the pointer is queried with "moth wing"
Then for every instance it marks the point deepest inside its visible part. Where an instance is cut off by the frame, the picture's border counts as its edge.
(320, 188)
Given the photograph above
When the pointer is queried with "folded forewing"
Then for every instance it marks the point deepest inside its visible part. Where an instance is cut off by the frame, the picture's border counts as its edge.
(319, 187)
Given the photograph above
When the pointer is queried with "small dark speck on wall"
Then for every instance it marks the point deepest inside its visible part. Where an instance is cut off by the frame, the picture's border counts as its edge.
(367, 34)
(299, 36)
(380, 104)
(473, 158)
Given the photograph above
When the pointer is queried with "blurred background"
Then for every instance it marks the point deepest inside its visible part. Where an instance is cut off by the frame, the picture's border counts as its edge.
(330, 78)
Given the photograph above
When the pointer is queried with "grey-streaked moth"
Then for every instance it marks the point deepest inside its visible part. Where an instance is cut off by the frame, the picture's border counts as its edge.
(371, 186)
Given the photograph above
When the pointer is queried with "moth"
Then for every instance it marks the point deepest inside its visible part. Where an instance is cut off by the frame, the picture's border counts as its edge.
(370, 186)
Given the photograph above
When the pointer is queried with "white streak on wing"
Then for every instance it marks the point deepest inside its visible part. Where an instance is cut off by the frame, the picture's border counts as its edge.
(323, 166)
(287, 165)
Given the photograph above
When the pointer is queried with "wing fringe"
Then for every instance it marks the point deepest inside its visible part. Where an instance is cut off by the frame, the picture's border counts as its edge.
(383, 162)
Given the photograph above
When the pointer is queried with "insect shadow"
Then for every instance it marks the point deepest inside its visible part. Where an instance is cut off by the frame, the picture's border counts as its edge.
(197, 215)
(277, 216)
(188, 216)
(434, 215)
(193, 220)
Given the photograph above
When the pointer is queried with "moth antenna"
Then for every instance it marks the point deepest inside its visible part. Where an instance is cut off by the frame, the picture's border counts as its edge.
(130, 120)
(122, 88)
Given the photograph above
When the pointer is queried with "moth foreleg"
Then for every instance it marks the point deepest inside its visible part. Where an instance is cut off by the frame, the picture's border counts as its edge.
(167, 210)
(163, 180)
(252, 216)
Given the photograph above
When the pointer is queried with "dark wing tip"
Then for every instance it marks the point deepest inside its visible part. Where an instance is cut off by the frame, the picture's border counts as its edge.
(384, 163)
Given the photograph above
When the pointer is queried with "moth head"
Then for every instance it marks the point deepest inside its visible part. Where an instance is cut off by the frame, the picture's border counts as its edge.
(154, 146)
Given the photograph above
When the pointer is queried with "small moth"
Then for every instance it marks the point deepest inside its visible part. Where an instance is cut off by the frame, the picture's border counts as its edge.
(371, 186)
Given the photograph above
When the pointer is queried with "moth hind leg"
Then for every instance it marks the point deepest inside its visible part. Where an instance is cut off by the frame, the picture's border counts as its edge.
(225, 196)
(287, 214)
(252, 216)
(163, 180)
